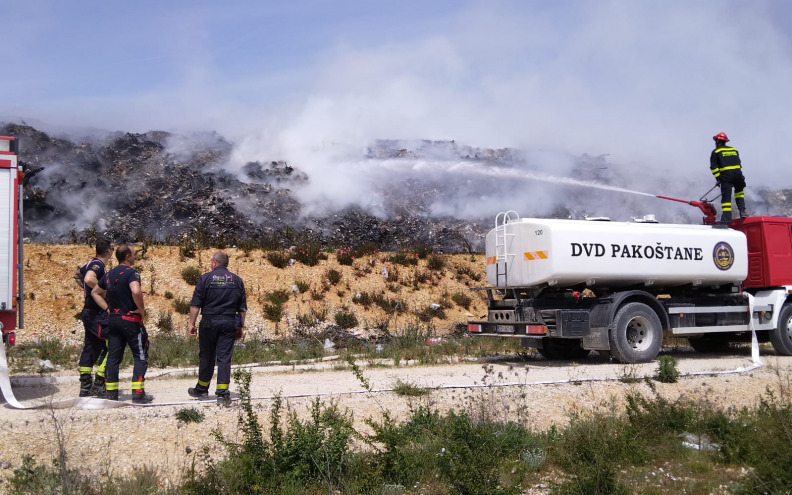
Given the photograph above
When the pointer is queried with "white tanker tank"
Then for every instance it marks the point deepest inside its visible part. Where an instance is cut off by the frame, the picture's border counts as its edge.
(537, 252)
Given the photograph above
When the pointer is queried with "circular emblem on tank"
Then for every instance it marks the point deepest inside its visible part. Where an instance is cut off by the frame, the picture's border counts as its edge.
(723, 255)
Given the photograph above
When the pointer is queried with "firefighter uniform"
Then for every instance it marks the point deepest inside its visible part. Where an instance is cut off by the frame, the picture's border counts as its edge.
(126, 329)
(727, 169)
(220, 295)
(95, 343)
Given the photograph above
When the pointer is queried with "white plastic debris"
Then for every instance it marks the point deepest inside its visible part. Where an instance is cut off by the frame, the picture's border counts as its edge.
(46, 364)
(434, 306)
(328, 344)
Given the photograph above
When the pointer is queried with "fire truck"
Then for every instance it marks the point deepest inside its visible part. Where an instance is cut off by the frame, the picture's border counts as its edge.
(567, 287)
(10, 239)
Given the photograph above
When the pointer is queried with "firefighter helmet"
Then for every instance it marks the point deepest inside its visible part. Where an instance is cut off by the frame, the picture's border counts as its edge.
(721, 136)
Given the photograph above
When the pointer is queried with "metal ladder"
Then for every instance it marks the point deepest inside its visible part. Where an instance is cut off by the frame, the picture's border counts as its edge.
(502, 255)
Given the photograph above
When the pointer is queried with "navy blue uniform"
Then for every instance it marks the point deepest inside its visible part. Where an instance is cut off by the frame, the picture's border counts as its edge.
(95, 324)
(125, 329)
(221, 296)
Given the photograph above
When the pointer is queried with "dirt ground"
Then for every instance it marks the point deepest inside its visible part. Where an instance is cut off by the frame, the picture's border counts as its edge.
(535, 391)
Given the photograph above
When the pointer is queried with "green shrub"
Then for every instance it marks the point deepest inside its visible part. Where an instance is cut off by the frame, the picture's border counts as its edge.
(435, 262)
(403, 258)
(181, 306)
(667, 371)
(278, 259)
(165, 321)
(345, 257)
(464, 270)
(406, 389)
(363, 298)
(279, 296)
(365, 248)
(462, 299)
(189, 415)
(390, 306)
(428, 312)
(191, 274)
(273, 311)
(346, 319)
(422, 250)
(302, 286)
(168, 294)
(309, 252)
(333, 276)
(317, 293)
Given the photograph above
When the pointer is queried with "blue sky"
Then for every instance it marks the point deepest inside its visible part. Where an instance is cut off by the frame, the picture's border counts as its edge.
(647, 82)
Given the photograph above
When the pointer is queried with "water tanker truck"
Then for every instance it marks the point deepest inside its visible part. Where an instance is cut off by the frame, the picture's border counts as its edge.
(567, 287)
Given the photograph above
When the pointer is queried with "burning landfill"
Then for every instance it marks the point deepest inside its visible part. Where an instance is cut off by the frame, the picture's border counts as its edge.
(162, 186)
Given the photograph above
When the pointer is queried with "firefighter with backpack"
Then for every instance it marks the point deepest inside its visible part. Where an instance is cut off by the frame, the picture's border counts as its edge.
(95, 322)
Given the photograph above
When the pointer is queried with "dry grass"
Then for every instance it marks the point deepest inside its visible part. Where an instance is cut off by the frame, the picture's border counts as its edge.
(52, 299)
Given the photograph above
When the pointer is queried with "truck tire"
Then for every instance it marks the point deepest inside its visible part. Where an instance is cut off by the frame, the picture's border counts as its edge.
(709, 344)
(562, 349)
(781, 337)
(636, 334)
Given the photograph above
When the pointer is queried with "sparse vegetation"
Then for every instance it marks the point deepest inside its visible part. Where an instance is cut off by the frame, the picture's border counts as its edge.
(302, 286)
(333, 276)
(667, 371)
(278, 259)
(181, 306)
(189, 415)
(403, 258)
(461, 299)
(346, 319)
(345, 257)
(435, 262)
(309, 252)
(407, 389)
(191, 274)
(273, 311)
(165, 321)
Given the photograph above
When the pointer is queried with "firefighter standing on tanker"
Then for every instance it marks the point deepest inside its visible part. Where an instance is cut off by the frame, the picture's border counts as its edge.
(726, 167)
(220, 297)
(119, 292)
(95, 322)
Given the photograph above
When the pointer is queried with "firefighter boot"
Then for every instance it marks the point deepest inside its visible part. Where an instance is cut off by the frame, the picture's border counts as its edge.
(741, 206)
(198, 391)
(98, 389)
(139, 396)
(86, 385)
(112, 395)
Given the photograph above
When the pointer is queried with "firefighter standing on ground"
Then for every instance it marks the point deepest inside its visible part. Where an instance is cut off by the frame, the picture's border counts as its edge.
(95, 322)
(727, 169)
(220, 297)
(119, 292)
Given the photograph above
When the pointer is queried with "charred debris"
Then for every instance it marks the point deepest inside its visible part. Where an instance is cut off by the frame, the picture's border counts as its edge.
(161, 187)
(164, 187)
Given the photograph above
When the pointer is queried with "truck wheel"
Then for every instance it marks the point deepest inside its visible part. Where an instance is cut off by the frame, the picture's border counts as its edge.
(562, 349)
(781, 337)
(636, 334)
(709, 344)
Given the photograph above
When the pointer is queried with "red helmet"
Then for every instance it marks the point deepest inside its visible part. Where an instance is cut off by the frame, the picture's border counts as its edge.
(721, 136)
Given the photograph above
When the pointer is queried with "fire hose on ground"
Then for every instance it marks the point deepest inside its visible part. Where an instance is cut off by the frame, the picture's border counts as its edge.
(97, 403)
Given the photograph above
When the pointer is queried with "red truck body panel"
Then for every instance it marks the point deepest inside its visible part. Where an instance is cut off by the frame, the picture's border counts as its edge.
(769, 250)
